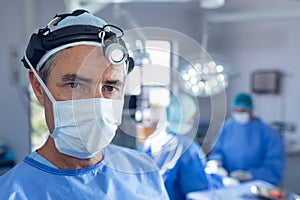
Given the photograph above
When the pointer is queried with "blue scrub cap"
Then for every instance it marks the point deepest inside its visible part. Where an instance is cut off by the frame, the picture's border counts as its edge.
(243, 101)
(82, 19)
(85, 18)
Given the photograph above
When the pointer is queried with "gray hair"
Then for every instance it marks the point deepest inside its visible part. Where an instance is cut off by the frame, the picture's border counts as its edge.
(47, 67)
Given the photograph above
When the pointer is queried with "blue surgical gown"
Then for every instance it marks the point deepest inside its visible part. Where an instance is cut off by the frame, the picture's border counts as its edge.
(254, 147)
(122, 174)
(181, 162)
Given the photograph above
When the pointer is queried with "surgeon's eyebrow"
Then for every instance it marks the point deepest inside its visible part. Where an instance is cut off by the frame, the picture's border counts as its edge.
(114, 82)
(75, 77)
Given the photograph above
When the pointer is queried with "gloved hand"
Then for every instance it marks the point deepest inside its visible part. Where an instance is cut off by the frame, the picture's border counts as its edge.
(229, 181)
(215, 167)
(241, 175)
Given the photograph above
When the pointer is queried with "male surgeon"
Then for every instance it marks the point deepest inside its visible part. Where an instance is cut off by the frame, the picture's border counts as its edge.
(77, 68)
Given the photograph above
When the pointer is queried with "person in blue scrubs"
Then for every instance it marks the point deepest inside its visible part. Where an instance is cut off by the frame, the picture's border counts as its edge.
(78, 67)
(180, 159)
(247, 147)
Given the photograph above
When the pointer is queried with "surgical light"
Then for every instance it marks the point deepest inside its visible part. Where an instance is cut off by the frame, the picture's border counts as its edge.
(203, 78)
(219, 68)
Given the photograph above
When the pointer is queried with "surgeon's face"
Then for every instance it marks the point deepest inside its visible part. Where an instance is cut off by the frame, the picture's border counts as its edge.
(82, 72)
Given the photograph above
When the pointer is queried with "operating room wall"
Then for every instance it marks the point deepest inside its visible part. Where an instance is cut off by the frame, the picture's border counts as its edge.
(14, 110)
(184, 18)
(17, 17)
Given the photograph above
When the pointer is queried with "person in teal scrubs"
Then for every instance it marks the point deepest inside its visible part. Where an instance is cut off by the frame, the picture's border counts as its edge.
(180, 159)
(247, 147)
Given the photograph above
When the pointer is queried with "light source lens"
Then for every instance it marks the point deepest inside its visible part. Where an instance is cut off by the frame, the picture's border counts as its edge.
(116, 53)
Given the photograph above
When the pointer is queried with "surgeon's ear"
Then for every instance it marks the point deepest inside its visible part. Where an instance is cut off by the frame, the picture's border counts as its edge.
(36, 86)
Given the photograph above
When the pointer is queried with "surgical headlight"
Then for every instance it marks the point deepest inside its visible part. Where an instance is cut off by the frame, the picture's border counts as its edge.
(114, 47)
(48, 41)
(115, 53)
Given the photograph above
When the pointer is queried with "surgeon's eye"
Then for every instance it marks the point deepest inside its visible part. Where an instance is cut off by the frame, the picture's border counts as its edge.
(109, 88)
(74, 85)
(78, 87)
(110, 92)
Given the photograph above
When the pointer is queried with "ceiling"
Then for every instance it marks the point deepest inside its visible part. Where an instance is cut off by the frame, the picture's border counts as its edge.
(229, 5)
(231, 11)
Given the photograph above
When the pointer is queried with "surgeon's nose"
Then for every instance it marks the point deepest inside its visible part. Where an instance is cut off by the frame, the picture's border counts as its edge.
(98, 92)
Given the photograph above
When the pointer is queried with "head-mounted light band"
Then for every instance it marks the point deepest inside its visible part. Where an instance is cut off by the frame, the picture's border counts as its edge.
(43, 41)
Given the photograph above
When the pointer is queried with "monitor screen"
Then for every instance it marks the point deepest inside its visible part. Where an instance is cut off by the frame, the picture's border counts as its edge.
(265, 82)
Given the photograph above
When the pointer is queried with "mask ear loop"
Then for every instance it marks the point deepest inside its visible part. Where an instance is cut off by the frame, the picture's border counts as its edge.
(40, 80)
(47, 92)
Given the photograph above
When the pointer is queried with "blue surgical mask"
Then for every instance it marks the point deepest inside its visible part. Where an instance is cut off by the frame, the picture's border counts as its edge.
(241, 117)
(85, 126)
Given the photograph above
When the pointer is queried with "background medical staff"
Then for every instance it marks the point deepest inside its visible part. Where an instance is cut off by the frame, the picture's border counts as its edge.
(180, 159)
(247, 147)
